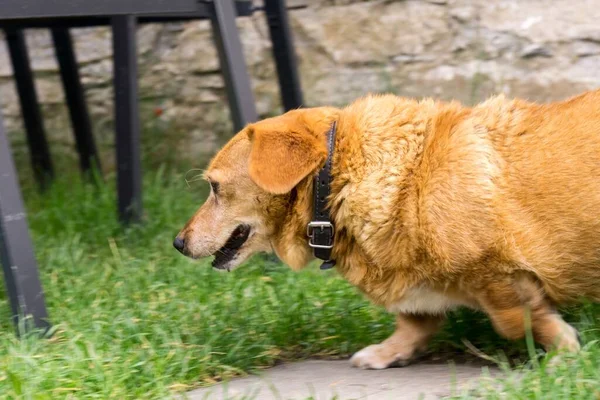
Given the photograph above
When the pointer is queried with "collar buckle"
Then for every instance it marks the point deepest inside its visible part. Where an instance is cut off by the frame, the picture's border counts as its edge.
(322, 226)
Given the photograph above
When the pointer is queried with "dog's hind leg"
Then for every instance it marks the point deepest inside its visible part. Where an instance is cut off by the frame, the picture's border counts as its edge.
(514, 303)
(411, 336)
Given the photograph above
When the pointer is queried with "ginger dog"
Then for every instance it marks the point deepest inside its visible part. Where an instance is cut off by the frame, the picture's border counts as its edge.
(435, 206)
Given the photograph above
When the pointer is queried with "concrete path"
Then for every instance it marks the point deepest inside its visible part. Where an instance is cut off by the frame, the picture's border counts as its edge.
(324, 379)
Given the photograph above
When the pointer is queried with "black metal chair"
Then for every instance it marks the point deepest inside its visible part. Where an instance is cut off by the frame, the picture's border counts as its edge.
(17, 257)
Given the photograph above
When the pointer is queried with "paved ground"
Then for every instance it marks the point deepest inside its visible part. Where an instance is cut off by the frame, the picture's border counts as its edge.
(324, 379)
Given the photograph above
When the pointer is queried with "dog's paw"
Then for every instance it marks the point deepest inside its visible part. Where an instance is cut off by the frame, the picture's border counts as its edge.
(571, 341)
(568, 340)
(377, 356)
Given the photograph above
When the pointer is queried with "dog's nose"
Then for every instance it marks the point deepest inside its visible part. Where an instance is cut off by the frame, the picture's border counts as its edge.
(178, 243)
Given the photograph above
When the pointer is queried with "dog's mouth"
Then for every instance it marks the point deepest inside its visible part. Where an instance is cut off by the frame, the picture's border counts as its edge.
(228, 252)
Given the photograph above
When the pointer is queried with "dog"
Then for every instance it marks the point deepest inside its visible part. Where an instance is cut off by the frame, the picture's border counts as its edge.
(432, 206)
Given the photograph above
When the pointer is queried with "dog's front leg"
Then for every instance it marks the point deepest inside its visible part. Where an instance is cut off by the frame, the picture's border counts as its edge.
(411, 336)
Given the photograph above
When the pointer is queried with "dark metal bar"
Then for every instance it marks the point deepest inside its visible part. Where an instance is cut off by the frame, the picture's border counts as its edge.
(204, 10)
(231, 57)
(11, 9)
(16, 252)
(30, 110)
(283, 51)
(127, 125)
(80, 119)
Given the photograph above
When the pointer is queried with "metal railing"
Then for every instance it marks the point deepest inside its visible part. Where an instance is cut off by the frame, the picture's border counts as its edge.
(16, 251)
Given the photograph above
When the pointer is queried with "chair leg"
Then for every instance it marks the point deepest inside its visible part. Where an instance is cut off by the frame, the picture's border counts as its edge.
(75, 95)
(283, 52)
(30, 110)
(231, 57)
(21, 275)
(127, 124)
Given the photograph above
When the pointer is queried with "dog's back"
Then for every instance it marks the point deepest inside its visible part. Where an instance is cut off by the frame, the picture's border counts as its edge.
(507, 182)
(527, 183)
(552, 173)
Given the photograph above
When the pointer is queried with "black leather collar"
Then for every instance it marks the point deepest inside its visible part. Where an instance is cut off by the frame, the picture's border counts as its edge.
(320, 230)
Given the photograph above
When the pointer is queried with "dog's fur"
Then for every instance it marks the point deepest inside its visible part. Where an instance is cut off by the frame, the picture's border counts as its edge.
(435, 205)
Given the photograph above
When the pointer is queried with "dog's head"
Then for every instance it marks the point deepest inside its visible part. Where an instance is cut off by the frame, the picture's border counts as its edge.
(253, 179)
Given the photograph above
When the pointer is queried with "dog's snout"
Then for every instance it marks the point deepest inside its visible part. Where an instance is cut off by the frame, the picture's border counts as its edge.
(179, 243)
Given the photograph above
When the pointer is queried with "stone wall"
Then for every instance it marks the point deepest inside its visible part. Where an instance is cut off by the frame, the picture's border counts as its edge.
(461, 49)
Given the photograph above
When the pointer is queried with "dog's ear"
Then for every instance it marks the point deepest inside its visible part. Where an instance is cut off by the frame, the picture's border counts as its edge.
(281, 156)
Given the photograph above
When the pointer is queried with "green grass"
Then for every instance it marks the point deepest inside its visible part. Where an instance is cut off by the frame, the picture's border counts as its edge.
(574, 376)
(134, 319)
(526, 372)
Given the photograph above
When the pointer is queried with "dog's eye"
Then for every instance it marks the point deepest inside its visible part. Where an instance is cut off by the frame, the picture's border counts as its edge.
(215, 187)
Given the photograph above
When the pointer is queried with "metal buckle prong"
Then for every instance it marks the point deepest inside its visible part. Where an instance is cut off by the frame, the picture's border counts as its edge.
(322, 225)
